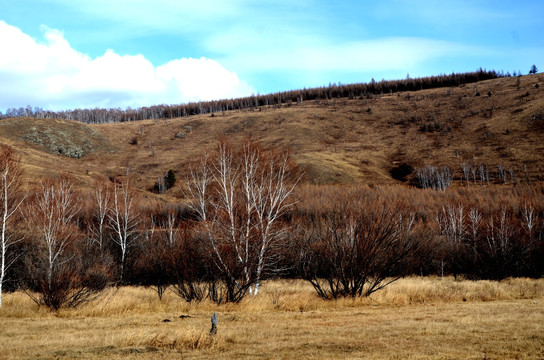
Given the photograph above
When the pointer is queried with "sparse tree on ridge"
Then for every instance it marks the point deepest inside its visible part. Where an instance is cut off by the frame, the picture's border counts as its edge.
(333, 91)
(533, 70)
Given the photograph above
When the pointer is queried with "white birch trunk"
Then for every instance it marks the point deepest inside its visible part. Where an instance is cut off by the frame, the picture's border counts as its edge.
(9, 176)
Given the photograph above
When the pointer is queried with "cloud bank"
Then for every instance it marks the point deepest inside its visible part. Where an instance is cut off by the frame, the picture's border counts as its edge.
(53, 75)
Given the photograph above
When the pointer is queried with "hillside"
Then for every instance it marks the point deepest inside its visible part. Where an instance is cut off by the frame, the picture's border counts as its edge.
(345, 141)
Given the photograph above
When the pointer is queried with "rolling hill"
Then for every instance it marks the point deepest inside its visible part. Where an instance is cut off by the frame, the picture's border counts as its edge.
(334, 141)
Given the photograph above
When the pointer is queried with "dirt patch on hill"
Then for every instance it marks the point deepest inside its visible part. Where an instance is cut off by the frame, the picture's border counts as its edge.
(62, 137)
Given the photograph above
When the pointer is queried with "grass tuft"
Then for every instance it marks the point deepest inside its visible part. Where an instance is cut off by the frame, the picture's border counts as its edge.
(173, 339)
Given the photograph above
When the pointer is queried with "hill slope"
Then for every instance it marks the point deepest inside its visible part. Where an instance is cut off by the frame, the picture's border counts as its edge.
(346, 141)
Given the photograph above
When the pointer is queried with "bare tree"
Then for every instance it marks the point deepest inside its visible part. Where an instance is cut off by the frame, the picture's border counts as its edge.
(155, 252)
(170, 238)
(502, 231)
(192, 277)
(512, 176)
(502, 173)
(435, 178)
(473, 170)
(529, 219)
(10, 199)
(483, 172)
(475, 222)
(267, 192)
(68, 277)
(451, 222)
(123, 219)
(354, 252)
(466, 172)
(51, 214)
(163, 258)
(225, 230)
(102, 194)
(198, 189)
(499, 245)
(242, 214)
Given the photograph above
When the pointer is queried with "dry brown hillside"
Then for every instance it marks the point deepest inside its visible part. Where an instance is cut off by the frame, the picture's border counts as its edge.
(345, 141)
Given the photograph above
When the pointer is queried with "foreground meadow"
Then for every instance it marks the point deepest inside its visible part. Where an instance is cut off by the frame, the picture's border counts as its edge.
(414, 318)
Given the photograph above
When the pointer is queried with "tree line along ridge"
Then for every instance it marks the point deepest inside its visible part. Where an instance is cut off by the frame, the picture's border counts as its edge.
(163, 111)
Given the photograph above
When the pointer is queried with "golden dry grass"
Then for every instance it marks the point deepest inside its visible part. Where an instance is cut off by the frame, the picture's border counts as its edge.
(414, 318)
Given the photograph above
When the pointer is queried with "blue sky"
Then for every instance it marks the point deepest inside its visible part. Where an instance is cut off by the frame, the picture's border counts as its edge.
(61, 54)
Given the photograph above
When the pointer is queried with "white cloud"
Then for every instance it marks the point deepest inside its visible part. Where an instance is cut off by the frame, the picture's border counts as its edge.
(52, 74)
(199, 79)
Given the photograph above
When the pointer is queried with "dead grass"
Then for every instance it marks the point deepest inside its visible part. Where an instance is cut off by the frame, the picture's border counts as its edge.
(417, 318)
(334, 141)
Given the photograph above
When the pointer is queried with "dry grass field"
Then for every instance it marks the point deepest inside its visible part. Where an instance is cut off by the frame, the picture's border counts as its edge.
(338, 141)
(414, 318)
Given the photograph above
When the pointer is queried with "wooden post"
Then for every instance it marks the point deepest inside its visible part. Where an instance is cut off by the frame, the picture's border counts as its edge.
(215, 320)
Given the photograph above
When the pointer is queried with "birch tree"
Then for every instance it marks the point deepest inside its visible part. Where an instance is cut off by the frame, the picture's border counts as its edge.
(62, 273)
(267, 192)
(466, 168)
(475, 222)
(123, 219)
(529, 219)
(51, 214)
(240, 198)
(10, 199)
(102, 194)
(451, 222)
